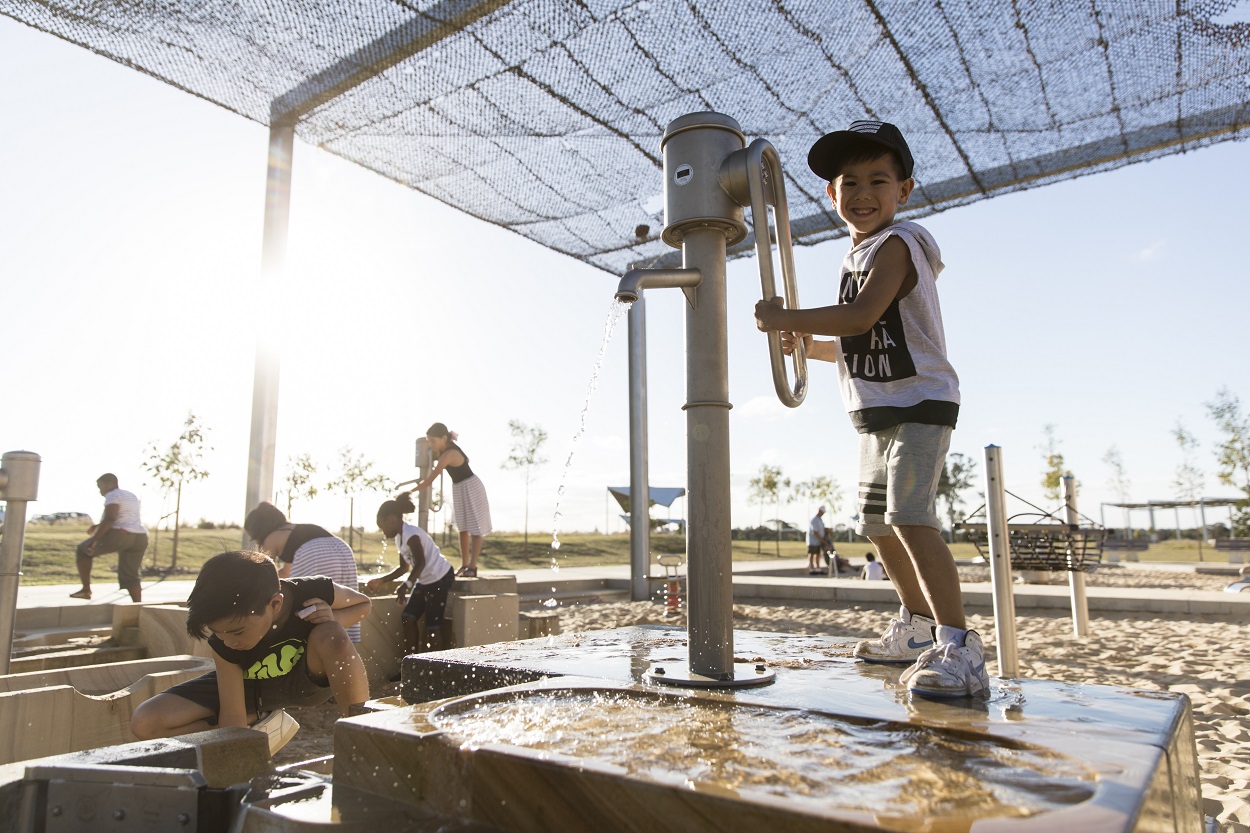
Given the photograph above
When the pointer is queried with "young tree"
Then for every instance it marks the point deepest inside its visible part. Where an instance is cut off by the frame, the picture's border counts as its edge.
(527, 440)
(1190, 480)
(1117, 480)
(821, 490)
(180, 462)
(769, 485)
(957, 476)
(1232, 454)
(355, 477)
(1054, 472)
(299, 480)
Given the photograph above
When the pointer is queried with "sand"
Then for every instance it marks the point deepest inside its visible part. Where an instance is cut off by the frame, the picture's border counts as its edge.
(1203, 657)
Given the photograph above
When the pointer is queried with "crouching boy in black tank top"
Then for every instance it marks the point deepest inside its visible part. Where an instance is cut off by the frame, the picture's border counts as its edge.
(276, 643)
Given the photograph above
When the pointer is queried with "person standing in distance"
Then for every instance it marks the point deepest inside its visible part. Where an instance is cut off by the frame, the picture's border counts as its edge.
(817, 538)
(471, 508)
(121, 531)
(902, 395)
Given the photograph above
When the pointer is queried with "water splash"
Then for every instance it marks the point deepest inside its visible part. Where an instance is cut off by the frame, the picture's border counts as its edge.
(615, 313)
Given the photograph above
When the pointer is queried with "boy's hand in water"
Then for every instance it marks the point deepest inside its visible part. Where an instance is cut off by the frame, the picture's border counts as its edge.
(768, 314)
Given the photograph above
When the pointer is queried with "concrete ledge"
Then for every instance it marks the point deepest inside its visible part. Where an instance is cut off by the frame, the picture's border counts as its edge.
(51, 712)
(980, 596)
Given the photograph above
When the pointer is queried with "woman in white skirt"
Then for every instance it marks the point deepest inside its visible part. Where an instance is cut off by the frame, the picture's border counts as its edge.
(468, 495)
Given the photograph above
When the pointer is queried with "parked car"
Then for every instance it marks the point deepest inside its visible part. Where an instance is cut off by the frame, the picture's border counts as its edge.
(62, 518)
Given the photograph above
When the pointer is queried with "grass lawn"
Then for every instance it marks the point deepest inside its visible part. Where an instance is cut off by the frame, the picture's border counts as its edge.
(49, 551)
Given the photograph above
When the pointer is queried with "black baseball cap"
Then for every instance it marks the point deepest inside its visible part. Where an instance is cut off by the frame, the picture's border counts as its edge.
(827, 154)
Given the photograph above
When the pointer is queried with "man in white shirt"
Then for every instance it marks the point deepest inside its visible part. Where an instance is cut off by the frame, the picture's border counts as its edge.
(817, 537)
(121, 531)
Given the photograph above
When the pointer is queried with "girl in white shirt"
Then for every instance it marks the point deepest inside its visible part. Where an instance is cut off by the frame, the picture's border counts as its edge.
(430, 576)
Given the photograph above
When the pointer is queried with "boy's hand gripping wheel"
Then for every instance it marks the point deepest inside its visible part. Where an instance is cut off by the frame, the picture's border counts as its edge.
(752, 177)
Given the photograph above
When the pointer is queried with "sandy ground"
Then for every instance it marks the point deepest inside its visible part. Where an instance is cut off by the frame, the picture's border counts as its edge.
(1201, 656)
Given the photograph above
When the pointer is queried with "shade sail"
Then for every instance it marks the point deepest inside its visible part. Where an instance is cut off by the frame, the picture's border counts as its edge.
(662, 495)
(545, 116)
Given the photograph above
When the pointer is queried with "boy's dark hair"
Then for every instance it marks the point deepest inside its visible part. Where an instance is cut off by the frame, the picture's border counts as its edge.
(230, 585)
(869, 153)
(107, 477)
(870, 556)
(263, 520)
(400, 506)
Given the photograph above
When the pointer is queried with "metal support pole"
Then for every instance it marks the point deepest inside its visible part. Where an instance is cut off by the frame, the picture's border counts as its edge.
(639, 465)
(264, 437)
(19, 484)
(1076, 578)
(425, 462)
(1000, 563)
(709, 531)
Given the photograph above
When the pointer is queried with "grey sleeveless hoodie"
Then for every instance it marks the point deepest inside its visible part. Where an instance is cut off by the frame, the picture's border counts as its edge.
(898, 371)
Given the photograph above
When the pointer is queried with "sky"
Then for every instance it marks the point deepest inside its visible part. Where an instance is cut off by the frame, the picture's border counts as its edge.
(1112, 307)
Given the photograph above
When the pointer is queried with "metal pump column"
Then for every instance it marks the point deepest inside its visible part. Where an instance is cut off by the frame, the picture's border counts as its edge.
(708, 177)
(703, 220)
(19, 484)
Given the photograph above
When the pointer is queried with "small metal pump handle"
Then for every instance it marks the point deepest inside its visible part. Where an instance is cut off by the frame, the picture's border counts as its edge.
(751, 176)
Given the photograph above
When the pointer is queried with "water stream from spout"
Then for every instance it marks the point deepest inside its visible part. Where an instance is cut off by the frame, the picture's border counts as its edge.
(615, 313)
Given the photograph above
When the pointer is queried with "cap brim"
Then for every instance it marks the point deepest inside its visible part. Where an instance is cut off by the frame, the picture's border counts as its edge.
(827, 153)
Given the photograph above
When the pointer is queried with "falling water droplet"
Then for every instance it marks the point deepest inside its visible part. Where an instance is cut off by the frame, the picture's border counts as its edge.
(550, 603)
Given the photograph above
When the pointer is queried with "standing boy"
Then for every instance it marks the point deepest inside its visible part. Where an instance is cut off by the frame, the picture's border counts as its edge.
(121, 531)
(902, 396)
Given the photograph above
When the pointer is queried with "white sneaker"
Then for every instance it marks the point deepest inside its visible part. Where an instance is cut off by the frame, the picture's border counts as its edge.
(949, 670)
(279, 726)
(908, 636)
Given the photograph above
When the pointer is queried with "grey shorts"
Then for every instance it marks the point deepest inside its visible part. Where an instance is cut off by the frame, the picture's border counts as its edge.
(899, 471)
(129, 546)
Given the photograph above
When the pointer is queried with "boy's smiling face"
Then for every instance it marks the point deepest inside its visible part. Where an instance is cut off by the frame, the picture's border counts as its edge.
(868, 194)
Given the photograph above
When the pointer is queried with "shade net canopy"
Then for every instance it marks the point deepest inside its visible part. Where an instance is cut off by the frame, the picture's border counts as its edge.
(545, 116)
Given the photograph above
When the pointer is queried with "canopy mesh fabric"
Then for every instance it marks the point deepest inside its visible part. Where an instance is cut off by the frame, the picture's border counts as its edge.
(545, 116)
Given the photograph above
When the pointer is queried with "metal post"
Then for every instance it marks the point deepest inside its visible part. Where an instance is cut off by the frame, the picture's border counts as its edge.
(425, 462)
(264, 435)
(19, 484)
(709, 530)
(639, 465)
(1202, 516)
(1076, 578)
(1000, 563)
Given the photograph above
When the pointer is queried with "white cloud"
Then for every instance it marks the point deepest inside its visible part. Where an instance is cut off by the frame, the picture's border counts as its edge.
(1151, 252)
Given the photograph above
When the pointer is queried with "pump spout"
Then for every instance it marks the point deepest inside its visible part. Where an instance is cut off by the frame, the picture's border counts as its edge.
(636, 280)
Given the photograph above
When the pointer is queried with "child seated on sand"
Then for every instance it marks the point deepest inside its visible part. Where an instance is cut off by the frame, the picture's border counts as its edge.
(276, 643)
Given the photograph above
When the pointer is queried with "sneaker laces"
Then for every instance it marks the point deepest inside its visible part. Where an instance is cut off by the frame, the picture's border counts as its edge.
(892, 633)
(940, 652)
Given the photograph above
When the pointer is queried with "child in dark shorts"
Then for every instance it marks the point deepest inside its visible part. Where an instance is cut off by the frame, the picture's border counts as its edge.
(430, 576)
(276, 643)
